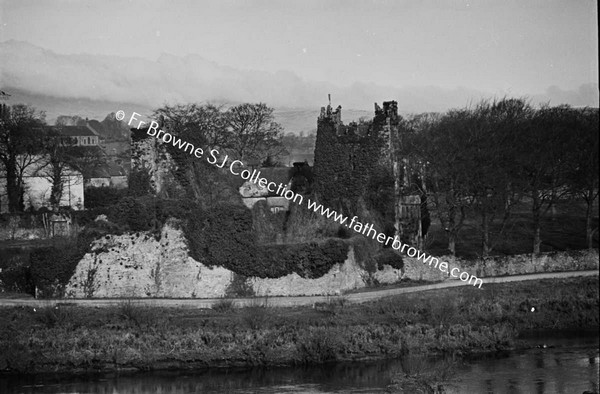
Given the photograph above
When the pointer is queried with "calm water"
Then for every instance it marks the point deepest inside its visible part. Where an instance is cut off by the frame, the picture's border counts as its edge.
(567, 366)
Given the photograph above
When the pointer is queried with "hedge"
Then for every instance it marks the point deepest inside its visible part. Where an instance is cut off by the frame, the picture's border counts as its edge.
(14, 270)
(102, 197)
(224, 237)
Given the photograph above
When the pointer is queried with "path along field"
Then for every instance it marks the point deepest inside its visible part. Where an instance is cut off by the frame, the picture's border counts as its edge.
(290, 301)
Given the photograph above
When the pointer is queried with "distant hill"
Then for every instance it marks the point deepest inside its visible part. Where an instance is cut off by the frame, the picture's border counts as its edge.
(72, 107)
(296, 120)
(72, 111)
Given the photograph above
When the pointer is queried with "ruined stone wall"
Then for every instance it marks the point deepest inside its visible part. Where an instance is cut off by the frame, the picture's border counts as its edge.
(148, 154)
(138, 265)
(505, 265)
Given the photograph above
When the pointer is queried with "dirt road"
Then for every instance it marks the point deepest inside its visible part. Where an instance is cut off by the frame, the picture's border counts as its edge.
(288, 301)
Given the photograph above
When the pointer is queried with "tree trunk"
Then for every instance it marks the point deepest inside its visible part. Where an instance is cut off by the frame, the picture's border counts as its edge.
(452, 229)
(57, 187)
(589, 231)
(12, 186)
(452, 243)
(486, 235)
(537, 239)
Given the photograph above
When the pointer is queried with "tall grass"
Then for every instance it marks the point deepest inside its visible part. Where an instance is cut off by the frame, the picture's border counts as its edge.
(135, 315)
(224, 305)
(54, 316)
(256, 315)
(450, 321)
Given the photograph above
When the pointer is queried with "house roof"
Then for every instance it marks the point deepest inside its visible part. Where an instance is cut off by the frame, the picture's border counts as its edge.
(76, 131)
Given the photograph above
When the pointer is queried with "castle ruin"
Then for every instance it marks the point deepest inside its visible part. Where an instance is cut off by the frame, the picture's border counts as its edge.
(351, 158)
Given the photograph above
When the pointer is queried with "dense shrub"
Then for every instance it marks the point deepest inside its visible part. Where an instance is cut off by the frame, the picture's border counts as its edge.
(305, 225)
(319, 345)
(224, 305)
(256, 316)
(309, 260)
(140, 183)
(389, 257)
(102, 197)
(10, 257)
(170, 208)
(239, 287)
(85, 217)
(54, 316)
(137, 214)
(16, 279)
(52, 267)
(224, 237)
(268, 227)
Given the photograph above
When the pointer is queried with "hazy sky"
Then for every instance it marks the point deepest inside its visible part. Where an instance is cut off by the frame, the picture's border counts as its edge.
(514, 47)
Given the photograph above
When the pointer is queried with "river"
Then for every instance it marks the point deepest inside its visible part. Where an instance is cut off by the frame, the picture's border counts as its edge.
(565, 365)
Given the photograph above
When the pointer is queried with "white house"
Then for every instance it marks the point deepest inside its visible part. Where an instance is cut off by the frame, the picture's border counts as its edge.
(38, 187)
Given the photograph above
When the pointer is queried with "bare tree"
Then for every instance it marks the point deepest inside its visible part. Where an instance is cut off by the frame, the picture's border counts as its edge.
(491, 164)
(254, 132)
(583, 164)
(438, 144)
(59, 159)
(21, 137)
(202, 125)
(542, 161)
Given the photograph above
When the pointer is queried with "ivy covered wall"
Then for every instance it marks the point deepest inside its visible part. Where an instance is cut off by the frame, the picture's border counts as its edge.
(346, 157)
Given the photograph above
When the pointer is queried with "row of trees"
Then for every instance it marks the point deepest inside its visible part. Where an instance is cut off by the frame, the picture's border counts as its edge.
(482, 161)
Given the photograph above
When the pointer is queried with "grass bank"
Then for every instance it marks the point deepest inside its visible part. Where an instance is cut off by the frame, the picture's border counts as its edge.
(450, 321)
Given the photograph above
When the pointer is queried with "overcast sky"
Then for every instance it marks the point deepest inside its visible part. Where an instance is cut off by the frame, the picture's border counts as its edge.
(497, 47)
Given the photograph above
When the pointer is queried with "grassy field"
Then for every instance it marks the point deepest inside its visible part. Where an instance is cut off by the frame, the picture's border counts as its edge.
(450, 321)
(563, 230)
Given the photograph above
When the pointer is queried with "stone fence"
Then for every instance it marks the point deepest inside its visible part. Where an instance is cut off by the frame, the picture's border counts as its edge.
(575, 260)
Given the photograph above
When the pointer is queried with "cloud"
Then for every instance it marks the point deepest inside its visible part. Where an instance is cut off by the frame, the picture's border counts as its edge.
(193, 78)
(169, 78)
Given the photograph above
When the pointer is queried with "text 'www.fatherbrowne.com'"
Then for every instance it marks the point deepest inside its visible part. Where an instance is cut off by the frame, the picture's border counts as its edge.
(214, 157)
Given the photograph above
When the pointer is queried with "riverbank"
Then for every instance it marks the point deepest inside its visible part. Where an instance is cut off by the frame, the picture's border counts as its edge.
(461, 320)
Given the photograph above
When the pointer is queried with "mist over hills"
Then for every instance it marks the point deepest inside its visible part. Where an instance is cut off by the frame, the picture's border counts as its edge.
(94, 85)
(293, 120)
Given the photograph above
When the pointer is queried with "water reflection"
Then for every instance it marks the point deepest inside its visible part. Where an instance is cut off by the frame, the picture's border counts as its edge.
(566, 366)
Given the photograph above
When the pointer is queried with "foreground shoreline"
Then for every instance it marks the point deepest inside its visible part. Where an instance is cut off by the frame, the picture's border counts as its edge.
(129, 338)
